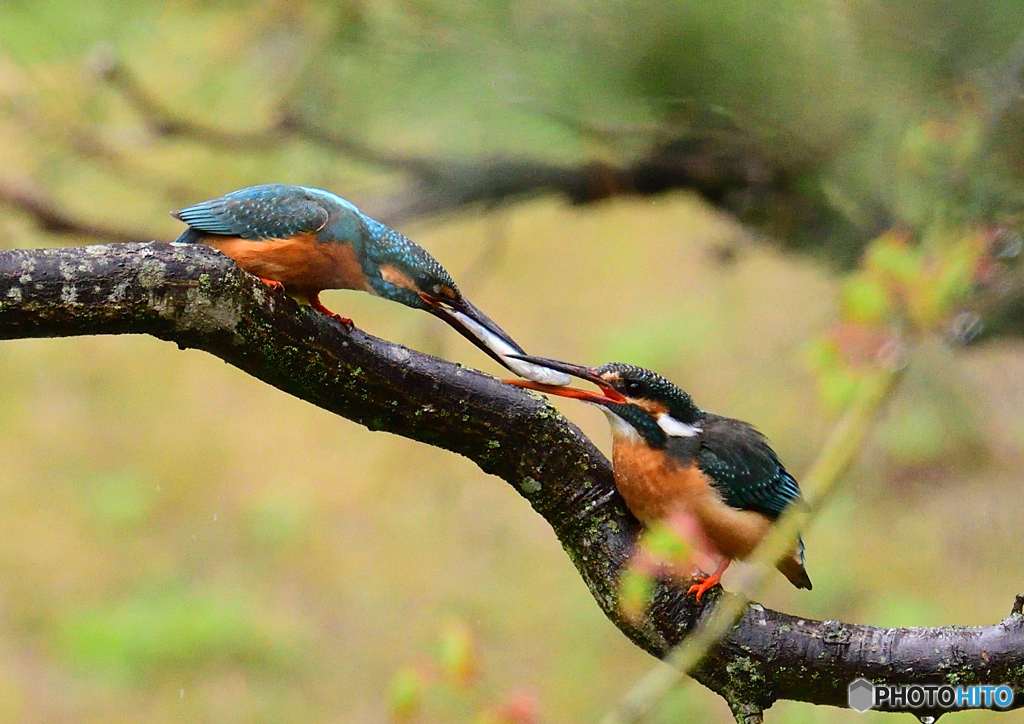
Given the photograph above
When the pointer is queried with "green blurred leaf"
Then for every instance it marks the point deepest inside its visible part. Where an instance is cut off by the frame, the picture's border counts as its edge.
(664, 544)
(822, 354)
(956, 277)
(918, 145)
(892, 256)
(837, 387)
(866, 300)
(636, 587)
(456, 654)
(404, 694)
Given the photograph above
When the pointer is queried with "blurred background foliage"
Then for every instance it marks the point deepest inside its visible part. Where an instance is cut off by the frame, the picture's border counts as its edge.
(183, 543)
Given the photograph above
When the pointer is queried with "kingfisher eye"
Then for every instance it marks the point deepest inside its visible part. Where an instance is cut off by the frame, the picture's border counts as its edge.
(632, 388)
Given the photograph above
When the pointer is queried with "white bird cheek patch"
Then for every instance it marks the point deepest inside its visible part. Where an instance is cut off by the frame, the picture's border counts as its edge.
(674, 428)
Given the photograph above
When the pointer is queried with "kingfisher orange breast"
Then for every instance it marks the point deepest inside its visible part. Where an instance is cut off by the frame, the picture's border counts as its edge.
(656, 487)
(651, 483)
(302, 263)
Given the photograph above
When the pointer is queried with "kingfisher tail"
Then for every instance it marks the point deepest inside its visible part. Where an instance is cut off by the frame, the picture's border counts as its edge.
(793, 567)
(794, 570)
(190, 236)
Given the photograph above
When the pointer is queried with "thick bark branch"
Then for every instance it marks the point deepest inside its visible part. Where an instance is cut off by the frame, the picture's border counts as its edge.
(195, 297)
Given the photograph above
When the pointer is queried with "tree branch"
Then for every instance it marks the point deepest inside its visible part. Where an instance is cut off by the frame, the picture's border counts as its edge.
(731, 170)
(51, 217)
(197, 298)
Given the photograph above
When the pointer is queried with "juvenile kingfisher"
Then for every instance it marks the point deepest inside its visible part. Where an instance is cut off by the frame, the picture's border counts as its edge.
(674, 461)
(305, 240)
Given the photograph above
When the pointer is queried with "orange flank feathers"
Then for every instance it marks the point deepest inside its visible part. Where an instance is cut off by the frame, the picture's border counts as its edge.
(655, 488)
(303, 265)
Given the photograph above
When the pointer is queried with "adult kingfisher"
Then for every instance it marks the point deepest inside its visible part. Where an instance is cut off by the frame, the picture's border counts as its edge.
(305, 240)
(714, 477)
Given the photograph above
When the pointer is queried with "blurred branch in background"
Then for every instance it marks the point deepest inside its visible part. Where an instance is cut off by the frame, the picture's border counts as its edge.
(726, 167)
(53, 219)
(289, 125)
(789, 189)
(781, 189)
(197, 298)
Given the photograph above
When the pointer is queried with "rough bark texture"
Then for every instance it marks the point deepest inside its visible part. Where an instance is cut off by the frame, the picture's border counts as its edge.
(195, 297)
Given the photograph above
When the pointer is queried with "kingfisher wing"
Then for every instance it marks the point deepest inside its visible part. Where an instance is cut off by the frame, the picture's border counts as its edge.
(744, 469)
(271, 211)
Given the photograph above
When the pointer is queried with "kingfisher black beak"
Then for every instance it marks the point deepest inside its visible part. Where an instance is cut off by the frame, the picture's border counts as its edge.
(479, 329)
(608, 396)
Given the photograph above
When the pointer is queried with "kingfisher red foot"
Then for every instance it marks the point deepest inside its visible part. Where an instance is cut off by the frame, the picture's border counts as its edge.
(308, 240)
(673, 460)
(703, 584)
(272, 283)
(314, 302)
